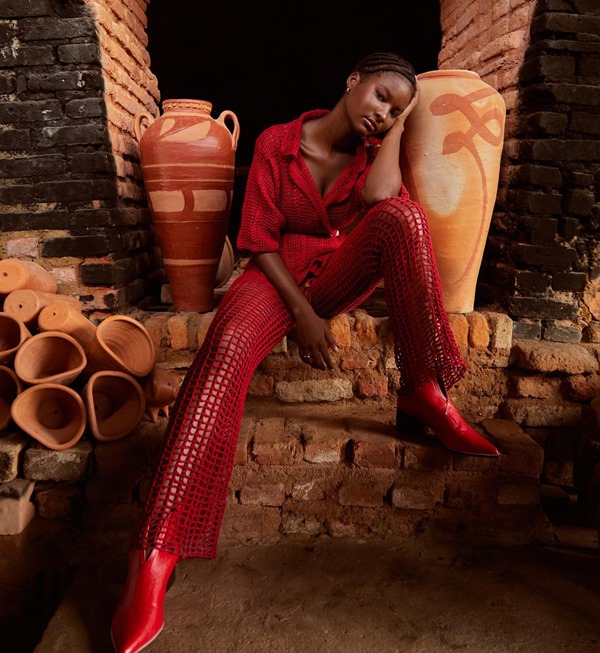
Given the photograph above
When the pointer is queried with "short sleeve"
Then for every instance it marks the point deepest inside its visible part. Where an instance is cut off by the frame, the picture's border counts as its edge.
(262, 222)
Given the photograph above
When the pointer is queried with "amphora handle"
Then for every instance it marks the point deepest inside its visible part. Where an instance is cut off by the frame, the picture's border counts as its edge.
(236, 125)
(141, 122)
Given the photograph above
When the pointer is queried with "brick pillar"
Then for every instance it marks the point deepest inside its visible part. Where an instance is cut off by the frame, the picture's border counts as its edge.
(72, 76)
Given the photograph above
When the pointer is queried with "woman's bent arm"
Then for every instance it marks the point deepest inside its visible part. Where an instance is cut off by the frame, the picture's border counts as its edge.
(312, 332)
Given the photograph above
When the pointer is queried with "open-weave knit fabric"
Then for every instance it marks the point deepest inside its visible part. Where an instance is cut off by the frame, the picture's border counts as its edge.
(185, 506)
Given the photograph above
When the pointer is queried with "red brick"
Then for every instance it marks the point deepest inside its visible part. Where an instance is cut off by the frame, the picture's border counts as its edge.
(359, 493)
(374, 451)
(519, 494)
(250, 523)
(324, 443)
(263, 495)
(272, 445)
(373, 385)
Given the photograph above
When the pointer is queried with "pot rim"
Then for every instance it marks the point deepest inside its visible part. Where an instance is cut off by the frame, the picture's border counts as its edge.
(449, 72)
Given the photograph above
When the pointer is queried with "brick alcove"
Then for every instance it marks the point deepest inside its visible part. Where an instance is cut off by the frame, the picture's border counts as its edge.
(74, 73)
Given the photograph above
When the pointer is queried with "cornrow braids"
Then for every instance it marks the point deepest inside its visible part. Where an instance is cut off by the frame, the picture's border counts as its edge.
(386, 62)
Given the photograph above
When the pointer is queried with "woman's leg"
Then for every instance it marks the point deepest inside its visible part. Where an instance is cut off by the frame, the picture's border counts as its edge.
(392, 241)
(186, 502)
(185, 505)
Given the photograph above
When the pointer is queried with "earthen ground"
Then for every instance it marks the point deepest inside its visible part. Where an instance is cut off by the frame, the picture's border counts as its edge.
(410, 595)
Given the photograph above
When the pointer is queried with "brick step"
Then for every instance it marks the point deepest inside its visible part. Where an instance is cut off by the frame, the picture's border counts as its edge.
(341, 469)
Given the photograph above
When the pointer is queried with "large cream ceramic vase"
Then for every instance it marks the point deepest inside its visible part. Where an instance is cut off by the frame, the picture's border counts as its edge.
(451, 151)
(188, 165)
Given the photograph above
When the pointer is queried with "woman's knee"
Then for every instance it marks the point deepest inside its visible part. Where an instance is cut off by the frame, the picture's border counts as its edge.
(395, 214)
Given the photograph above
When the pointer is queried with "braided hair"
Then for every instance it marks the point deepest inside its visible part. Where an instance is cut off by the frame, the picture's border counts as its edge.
(386, 62)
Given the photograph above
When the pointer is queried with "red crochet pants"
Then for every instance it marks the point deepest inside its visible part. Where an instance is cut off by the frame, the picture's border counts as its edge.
(186, 502)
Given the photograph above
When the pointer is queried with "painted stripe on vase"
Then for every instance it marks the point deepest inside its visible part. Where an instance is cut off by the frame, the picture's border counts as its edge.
(167, 201)
(209, 200)
(183, 262)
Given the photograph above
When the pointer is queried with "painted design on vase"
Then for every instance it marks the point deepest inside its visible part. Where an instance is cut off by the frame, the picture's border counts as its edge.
(450, 158)
(455, 141)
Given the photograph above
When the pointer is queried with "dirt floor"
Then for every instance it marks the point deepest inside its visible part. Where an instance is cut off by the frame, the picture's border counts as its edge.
(332, 596)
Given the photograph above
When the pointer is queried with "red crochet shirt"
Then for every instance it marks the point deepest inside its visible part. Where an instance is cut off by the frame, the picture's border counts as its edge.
(283, 210)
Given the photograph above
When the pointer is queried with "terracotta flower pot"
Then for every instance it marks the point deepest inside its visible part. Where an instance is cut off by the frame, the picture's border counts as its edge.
(121, 344)
(13, 334)
(50, 357)
(15, 275)
(188, 164)
(27, 304)
(53, 414)
(62, 317)
(161, 388)
(115, 404)
(450, 159)
(10, 387)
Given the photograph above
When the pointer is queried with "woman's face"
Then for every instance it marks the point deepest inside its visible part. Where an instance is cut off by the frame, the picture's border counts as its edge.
(374, 102)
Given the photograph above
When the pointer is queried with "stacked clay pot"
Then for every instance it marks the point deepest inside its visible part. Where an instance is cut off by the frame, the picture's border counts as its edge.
(61, 375)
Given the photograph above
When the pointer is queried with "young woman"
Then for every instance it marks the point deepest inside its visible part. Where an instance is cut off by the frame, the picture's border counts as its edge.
(325, 218)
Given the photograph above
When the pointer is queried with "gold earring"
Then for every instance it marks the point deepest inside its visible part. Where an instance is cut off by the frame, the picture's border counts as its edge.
(348, 89)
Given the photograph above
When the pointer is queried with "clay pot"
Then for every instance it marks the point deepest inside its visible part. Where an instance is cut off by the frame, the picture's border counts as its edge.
(450, 159)
(63, 317)
(122, 344)
(53, 414)
(226, 265)
(115, 404)
(50, 357)
(188, 165)
(13, 334)
(27, 304)
(16, 275)
(161, 389)
(10, 387)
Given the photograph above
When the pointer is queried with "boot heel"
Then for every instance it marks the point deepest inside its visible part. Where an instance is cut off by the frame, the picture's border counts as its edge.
(408, 424)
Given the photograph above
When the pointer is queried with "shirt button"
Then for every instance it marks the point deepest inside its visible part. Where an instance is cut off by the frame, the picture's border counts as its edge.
(335, 234)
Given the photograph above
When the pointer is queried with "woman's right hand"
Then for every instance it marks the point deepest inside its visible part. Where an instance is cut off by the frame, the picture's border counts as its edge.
(314, 340)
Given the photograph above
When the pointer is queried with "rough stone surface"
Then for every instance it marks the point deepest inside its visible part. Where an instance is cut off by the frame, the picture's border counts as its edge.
(554, 357)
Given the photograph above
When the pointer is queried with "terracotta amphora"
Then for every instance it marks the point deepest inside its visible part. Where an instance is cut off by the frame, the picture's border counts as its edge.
(115, 404)
(188, 165)
(26, 304)
(161, 388)
(450, 158)
(10, 387)
(13, 334)
(50, 357)
(51, 413)
(63, 317)
(16, 274)
(121, 344)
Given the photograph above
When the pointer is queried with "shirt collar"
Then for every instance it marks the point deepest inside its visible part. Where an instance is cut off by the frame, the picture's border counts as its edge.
(291, 142)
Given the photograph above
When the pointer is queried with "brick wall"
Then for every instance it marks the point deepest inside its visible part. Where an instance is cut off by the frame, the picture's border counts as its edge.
(72, 75)
(542, 258)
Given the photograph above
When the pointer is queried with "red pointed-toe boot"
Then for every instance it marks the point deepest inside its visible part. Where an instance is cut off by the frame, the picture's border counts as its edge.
(430, 406)
(139, 616)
